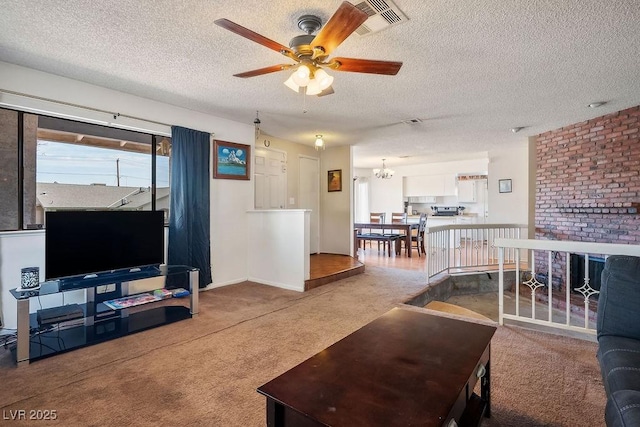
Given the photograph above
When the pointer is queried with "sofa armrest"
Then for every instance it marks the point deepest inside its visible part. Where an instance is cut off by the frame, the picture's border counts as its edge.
(619, 299)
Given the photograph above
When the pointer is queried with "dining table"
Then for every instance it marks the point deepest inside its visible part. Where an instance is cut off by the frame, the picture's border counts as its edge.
(404, 227)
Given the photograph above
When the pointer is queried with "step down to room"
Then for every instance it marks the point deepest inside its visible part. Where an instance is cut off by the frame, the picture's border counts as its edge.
(327, 268)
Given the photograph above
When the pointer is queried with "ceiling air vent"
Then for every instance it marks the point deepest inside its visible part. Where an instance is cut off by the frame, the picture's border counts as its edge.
(382, 14)
(412, 121)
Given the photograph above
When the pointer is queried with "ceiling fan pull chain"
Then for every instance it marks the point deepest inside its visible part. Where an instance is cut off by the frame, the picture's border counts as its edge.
(304, 101)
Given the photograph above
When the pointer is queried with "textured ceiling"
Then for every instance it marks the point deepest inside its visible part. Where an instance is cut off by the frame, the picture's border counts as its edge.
(472, 69)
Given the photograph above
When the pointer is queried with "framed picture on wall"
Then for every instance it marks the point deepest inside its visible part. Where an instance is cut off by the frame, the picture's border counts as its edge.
(334, 180)
(231, 160)
(504, 185)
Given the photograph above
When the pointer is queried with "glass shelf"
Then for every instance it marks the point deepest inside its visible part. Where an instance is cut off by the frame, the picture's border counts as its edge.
(175, 275)
(99, 322)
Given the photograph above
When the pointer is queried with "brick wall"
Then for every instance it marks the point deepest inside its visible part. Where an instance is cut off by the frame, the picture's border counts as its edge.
(588, 180)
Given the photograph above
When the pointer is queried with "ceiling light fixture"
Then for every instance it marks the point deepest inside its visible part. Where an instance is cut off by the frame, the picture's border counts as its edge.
(517, 129)
(311, 77)
(383, 173)
(319, 143)
(596, 104)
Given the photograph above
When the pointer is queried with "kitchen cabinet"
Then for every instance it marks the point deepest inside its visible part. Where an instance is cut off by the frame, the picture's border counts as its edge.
(411, 186)
(467, 191)
(421, 199)
(429, 185)
(449, 183)
(434, 185)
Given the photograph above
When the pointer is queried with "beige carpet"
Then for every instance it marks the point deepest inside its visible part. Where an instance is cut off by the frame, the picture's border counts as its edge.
(204, 371)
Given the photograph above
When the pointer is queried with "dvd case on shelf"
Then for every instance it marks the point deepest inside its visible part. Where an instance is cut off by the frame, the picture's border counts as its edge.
(138, 299)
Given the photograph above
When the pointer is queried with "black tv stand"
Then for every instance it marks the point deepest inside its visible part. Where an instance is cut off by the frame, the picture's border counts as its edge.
(97, 322)
(108, 277)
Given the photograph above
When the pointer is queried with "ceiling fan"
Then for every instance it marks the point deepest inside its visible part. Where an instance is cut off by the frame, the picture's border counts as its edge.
(311, 53)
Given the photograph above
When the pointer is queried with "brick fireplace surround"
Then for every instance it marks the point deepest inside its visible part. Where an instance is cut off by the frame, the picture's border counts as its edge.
(588, 182)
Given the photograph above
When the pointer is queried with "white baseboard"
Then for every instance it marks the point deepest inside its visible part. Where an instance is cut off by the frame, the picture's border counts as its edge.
(221, 284)
(278, 285)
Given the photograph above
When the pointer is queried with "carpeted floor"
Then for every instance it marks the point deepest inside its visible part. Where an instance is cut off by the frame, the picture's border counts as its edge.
(204, 371)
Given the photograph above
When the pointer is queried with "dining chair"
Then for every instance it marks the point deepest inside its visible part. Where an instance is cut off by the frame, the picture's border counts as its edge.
(418, 237)
(398, 218)
(374, 218)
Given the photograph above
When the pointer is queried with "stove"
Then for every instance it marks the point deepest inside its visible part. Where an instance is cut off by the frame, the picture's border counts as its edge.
(446, 210)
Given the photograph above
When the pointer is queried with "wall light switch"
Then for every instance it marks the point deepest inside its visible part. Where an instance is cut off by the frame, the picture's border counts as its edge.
(292, 201)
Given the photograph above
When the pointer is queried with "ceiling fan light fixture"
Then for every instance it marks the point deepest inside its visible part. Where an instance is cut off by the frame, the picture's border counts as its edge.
(301, 76)
(291, 84)
(310, 52)
(313, 88)
(323, 78)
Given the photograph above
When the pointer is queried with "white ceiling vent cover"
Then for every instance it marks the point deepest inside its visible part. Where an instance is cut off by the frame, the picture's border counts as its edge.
(382, 14)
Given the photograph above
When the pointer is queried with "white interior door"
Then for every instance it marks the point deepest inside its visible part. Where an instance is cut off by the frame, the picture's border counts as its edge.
(270, 177)
(309, 198)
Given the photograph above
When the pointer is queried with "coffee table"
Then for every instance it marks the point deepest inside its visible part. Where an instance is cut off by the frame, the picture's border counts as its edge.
(407, 367)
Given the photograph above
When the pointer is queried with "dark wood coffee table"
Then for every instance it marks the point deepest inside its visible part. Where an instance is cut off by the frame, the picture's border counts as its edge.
(404, 368)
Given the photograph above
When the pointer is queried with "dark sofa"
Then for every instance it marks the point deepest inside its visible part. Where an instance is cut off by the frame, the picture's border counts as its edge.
(618, 328)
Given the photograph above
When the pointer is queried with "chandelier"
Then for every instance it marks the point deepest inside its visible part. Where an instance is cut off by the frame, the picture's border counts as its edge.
(383, 173)
(319, 144)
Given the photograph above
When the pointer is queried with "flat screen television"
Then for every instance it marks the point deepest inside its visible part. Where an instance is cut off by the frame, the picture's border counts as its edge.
(86, 242)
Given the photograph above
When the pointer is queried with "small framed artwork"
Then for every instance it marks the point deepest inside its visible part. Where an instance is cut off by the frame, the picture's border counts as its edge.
(504, 185)
(334, 180)
(231, 160)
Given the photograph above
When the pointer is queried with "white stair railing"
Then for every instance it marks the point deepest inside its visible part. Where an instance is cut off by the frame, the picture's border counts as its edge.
(466, 248)
(550, 299)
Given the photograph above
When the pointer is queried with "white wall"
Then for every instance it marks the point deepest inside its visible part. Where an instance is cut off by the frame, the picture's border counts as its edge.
(510, 164)
(230, 199)
(20, 249)
(336, 222)
(279, 247)
(385, 195)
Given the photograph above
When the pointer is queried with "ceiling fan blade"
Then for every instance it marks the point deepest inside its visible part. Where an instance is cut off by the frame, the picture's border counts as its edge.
(344, 22)
(327, 91)
(265, 70)
(253, 36)
(365, 66)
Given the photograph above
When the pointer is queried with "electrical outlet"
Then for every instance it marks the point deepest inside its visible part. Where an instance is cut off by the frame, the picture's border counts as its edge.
(292, 201)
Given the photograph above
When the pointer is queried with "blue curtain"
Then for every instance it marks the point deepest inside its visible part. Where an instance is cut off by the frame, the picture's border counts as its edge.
(189, 230)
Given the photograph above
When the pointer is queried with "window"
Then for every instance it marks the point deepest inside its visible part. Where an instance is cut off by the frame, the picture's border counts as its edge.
(73, 165)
